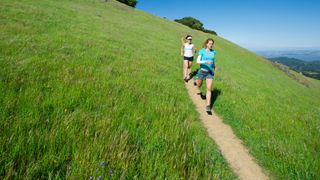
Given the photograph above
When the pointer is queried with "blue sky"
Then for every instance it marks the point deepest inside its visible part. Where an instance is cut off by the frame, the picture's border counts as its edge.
(253, 24)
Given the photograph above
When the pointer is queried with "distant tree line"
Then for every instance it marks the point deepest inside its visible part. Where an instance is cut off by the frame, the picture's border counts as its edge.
(131, 3)
(194, 24)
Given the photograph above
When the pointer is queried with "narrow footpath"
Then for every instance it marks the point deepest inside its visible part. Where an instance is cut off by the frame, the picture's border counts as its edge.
(231, 147)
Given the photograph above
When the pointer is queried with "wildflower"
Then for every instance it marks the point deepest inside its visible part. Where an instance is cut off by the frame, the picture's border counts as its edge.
(103, 164)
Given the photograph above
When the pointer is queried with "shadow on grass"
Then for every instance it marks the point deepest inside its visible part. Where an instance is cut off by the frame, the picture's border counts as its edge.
(214, 96)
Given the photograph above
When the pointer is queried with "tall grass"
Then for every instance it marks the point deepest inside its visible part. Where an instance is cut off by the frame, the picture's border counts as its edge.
(276, 116)
(90, 82)
(87, 91)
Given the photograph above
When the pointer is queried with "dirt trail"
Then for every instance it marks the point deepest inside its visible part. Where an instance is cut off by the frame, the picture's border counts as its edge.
(231, 147)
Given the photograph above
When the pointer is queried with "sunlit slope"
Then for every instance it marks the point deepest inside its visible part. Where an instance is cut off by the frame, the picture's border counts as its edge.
(89, 88)
(89, 81)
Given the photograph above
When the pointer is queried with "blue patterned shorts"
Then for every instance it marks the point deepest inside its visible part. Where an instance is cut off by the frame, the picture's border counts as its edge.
(205, 74)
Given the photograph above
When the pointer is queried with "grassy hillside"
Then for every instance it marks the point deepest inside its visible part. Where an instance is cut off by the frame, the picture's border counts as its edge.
(277, 117)
(86, 82)
(308, 68)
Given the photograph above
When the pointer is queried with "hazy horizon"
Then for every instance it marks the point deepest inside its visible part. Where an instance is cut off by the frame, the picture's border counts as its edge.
(305, 55)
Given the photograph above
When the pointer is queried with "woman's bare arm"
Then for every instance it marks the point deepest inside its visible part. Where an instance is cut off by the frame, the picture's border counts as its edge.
(182, 41)
(182, 46)
(182, 50)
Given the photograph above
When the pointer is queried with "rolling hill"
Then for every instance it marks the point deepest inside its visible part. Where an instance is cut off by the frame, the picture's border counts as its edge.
(308, 68)
(94, 88)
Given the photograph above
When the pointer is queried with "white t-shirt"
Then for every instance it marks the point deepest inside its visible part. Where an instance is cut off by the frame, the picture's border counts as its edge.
(188, 50)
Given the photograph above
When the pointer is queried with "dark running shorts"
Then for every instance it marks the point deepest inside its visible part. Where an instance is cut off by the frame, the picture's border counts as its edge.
(188, 58)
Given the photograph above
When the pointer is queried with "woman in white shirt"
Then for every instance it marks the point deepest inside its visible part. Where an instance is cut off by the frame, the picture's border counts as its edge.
(187, 51)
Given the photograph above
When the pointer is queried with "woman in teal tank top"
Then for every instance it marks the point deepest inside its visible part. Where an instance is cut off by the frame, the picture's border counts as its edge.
(206, 72)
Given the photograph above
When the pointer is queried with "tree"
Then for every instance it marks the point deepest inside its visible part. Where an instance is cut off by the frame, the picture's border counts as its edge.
(194, 24)
(191, 22)
(210, 31)
(131, 3)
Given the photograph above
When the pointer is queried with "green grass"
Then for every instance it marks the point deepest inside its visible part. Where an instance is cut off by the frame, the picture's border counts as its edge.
(84, 82)
(277, 117)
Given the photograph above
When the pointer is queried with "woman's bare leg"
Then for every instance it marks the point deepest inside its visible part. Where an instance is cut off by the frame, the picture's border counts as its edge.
(185, 68)
(209, 87)
(189, 68)
(199, 84)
